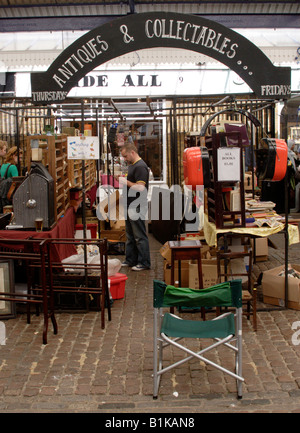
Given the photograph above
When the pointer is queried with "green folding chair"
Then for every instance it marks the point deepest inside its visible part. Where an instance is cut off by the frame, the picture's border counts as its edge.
(169, 329)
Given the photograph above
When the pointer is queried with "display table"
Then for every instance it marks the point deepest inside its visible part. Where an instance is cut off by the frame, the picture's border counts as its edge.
(211, 232)
(63, 229)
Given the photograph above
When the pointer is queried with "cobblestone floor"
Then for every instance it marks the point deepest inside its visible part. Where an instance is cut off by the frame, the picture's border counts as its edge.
(87, 369)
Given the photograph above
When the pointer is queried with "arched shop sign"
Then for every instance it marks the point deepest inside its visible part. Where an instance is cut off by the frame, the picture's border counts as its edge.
(163, 29)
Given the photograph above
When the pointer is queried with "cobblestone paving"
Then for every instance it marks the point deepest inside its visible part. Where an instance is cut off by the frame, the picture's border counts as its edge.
(87, 369)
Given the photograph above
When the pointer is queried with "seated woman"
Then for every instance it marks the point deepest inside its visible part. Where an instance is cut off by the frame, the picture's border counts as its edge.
(3, 149)
(11, 161)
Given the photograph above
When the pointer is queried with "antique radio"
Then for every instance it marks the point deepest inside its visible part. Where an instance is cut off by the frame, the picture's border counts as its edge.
(35, 198)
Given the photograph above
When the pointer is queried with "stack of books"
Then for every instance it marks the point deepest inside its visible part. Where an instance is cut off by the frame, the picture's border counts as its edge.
(262, 213)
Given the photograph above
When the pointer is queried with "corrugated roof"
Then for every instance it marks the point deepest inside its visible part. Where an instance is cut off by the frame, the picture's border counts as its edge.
(36, 50)
(50, 8)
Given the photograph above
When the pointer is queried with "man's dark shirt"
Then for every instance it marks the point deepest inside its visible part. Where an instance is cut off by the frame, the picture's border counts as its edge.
(137, 173)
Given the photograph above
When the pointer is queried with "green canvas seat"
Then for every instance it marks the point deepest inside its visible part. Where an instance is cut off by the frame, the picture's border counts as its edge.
(169, 329)
(173, 326)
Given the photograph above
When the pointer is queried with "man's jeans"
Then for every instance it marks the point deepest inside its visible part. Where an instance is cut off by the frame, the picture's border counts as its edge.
(137, 243)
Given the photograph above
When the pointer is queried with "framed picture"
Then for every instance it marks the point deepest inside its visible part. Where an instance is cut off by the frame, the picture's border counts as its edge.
(7, 285)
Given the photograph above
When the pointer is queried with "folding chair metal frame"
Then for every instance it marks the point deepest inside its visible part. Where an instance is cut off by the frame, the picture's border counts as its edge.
(224, 330)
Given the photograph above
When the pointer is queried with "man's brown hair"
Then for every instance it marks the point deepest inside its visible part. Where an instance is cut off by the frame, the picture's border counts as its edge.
(129, 147)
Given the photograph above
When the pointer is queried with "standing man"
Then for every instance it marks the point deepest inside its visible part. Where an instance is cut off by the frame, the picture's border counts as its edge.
(135, 188)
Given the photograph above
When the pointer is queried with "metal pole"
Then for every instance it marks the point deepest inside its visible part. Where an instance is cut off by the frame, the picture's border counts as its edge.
(83, 207)
(286, 239)
(99, 133)
(18, 141)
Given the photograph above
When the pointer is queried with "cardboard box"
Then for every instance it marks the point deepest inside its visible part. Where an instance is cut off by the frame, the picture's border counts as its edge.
(206, 251)
(165, 251)
(116, 235)
(248, 181)
(117, 225)
(184, 273)
(209, 273)
(274, 288)
(261, 249)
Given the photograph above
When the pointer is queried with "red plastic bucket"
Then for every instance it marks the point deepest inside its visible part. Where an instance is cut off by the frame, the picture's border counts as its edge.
(117, 285)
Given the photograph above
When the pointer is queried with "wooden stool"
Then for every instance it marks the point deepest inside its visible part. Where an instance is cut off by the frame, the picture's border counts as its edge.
(186, 250)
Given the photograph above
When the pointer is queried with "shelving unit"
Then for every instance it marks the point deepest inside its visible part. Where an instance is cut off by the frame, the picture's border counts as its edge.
(75, 173)
(218, 211)
(65, 173)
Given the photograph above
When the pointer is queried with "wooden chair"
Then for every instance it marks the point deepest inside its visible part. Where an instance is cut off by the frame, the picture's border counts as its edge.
(91, 280)
(31, 252)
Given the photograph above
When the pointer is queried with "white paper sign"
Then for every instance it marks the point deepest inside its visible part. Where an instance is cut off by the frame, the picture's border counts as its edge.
(229, 164)
(85, 147)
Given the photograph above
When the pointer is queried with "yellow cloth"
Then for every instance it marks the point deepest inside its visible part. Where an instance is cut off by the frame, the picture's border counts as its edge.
(211, 232)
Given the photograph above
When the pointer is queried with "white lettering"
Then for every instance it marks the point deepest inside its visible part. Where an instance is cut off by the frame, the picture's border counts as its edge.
(59, 81)
(77, 60)
(217, 41)
(178, 422)
(103, 44)
(296, 335)
(69, 63)
(199, 35)
(92, 44)
(184, 32)
(210, 38)
(48, 96)
(179, 29)
(276, 90)
(2, 334)
(231, 54)
(157, 28)
(85, 54)
(147, 29)
(65, 72)
(224, 45)
(122, 423)
(194, 33)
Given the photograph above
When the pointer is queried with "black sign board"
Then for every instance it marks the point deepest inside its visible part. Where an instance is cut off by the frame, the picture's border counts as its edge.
(7, 84)
(163, 29)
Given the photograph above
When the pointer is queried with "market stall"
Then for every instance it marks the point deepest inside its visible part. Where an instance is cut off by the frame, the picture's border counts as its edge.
(63, 159)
